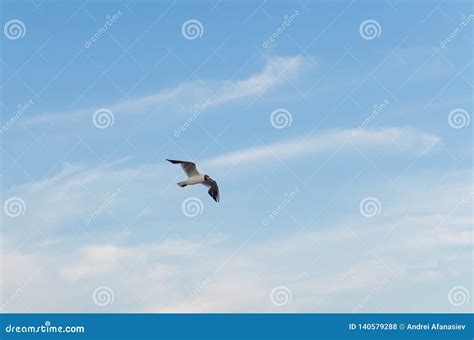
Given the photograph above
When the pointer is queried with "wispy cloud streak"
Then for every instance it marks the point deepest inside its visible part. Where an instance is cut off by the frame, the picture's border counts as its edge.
(394, 139)
(274, 73)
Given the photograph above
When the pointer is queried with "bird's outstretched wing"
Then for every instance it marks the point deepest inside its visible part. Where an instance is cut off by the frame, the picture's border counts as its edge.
(188, 167)
(213, 189)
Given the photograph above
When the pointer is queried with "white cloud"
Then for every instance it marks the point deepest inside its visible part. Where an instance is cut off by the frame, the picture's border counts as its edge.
(187, 94)
(407, 140)
(371, 265)
(323, 271)
(275, 72)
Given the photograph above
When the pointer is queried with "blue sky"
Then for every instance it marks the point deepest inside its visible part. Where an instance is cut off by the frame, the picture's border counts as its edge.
(366, 173)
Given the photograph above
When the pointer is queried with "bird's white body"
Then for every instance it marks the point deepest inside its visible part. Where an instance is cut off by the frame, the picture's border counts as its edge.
(197, 179)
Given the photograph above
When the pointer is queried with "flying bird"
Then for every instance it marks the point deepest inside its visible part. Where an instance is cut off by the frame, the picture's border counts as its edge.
(194, 177)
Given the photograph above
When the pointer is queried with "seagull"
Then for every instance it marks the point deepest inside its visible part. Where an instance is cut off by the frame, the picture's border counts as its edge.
(194, 177)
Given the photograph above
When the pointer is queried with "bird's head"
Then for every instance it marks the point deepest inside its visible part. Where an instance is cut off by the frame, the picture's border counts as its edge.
(206, 177)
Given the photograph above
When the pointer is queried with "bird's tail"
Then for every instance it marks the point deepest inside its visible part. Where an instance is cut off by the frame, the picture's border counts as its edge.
(182, 184)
